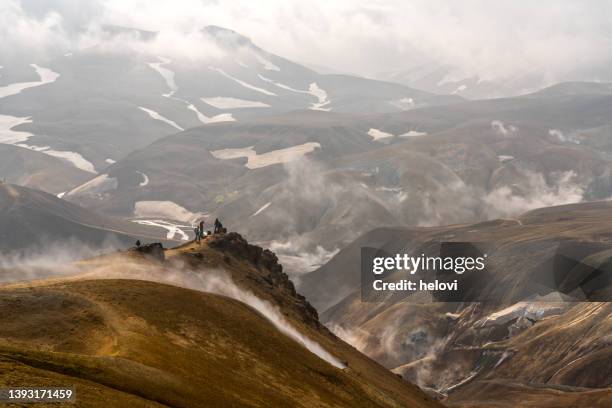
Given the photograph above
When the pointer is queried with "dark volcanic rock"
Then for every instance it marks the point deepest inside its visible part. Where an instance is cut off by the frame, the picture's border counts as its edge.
(153, 251)
(267, 262)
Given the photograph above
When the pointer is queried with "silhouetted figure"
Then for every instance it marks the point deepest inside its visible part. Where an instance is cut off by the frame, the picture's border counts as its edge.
(196, 230)
(217, 226)
(138, 244)
(201, 229)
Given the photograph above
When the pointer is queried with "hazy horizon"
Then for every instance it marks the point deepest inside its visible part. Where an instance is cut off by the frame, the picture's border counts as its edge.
(553, 40)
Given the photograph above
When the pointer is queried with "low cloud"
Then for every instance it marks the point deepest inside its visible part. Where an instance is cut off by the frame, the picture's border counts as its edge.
(502, 130)
(50, 259)
(555, 40)
(505, 201)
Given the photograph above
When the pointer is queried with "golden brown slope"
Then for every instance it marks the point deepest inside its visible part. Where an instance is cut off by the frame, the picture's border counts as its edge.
(140, 343)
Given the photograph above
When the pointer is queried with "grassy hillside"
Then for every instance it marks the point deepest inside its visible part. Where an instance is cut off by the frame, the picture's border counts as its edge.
(127, 342)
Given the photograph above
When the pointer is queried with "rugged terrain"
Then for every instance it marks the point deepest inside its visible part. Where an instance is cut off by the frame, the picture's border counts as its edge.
(128, 96)
(525, 343)
(148, 328)
(311, 178)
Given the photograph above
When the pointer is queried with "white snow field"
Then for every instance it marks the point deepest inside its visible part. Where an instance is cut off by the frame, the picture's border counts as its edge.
(377, 134)
(226, 102)
(10, 136)
(313, 90)
(223, 117)
(16, 138)
(145, 179)
(413, 133)
(255, 161)
(242, 83)
(267, 64)
(74, 158)
(262, 209)
(97, 185)
(168, 76)
(172, 229)
(166, 210)
(159, 117)
(46, 75)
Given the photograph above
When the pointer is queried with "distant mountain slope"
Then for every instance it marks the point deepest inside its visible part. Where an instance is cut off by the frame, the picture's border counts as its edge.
(31, 219)
(97, 104)
(535, 349)
(441, 79)
(39, 171)
(310, 178)
(132, 342)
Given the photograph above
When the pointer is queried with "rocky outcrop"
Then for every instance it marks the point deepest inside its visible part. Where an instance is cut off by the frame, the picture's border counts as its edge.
(153, 251)
(266, 262)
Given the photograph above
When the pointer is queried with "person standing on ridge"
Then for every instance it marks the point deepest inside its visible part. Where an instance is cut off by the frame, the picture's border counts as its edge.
(217, 225)
(201, 229)
(196, 230)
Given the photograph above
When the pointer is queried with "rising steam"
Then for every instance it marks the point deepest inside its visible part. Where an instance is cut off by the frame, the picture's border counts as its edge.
(58, 260)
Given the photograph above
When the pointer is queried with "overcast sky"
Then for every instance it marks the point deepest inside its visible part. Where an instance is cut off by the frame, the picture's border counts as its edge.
(494, 39)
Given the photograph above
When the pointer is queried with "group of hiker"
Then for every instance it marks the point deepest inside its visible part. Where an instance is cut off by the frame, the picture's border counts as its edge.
(199, 229)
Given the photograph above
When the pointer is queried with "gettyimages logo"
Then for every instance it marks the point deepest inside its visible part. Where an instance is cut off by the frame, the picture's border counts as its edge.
(542, 271)
(441, 272)
(412, 264)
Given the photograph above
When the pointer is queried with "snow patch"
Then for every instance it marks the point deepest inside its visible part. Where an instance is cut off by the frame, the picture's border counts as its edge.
(241, 82)
(97, 185)
(159, 117)
(313, 90)
(255, 161)
(224, 117)
(145, 179)
(172, 229)
(165, 210)
(167, 74)
(504, 158)
(226, 102)
(16, 138)
(262, 209)
(267, 64)
(378, 134)
(74, 158)
(9, 136)
(110, 161)
(46, 75)
(413, 133)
